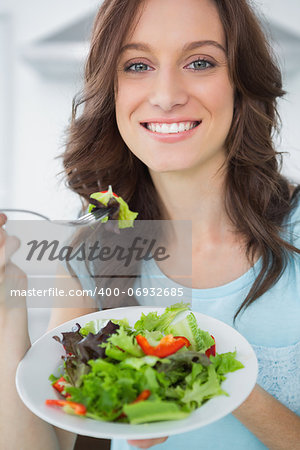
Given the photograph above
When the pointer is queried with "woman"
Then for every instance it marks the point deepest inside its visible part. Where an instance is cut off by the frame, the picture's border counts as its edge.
(179, 110)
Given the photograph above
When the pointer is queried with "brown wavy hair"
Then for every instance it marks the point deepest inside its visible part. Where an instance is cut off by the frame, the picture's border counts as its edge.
(257, 196)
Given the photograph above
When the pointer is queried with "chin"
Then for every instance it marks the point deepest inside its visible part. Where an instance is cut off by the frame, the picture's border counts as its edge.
(169, 166)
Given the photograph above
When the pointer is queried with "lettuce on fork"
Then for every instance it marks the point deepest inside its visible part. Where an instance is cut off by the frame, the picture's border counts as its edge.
(120, 211)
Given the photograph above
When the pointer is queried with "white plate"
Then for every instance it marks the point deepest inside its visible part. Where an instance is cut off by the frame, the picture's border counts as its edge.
(43, 358)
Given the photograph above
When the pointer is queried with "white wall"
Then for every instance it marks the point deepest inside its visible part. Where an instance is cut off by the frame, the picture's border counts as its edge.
(42, 113)
(6, 112)
(284, 13)
(36, 18)
(38, 108)
(290, 111)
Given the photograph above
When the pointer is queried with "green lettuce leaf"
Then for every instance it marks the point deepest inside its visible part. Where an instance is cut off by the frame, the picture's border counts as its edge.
(94, 326)
(124, 323)
(153, 411)
(125, 342)
(152, 321)
(200, 340)
(108, 386)
(137, 363)
(53, 378)
(124, 215)
(199, 392)
(226, 362)
(114, 352)
(153, 337)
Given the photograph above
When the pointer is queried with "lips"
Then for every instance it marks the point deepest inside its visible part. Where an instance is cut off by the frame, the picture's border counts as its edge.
(173, 127)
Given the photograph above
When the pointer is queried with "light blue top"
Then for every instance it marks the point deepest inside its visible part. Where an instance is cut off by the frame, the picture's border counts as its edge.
(271, 324)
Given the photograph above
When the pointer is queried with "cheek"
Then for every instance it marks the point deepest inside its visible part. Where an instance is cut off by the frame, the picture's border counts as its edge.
(128, 98)
(127, 101)
(122, 104)
(218, 97)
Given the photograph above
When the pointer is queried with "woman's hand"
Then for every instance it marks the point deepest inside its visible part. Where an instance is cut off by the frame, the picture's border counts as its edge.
(14, 336)
(11, 276)
(8, 246)
(13, 312)
(19, 427)
(146, 443)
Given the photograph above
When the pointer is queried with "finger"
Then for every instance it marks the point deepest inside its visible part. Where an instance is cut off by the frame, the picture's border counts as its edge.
(146, 443)
(3, 235)
(15, 276)
(7, 249)
(3, 219)
(15, 280)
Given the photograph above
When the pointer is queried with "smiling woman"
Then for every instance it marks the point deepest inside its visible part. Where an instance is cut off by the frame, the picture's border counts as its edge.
(187, 103)
(184, 130)
(177, 93)
(179, 110)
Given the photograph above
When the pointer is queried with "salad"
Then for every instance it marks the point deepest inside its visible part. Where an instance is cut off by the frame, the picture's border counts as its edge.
(120, 210)
(161, 369)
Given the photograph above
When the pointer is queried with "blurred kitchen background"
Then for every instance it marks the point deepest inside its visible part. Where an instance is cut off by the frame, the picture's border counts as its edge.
(43, 46)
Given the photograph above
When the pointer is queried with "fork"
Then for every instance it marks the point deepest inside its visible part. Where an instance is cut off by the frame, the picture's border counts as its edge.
(86, 219)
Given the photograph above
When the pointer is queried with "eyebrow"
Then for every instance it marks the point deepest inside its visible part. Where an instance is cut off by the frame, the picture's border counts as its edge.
(187, 47)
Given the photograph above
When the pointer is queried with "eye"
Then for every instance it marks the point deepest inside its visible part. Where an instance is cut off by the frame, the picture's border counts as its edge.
(137, 67)
(200, 64)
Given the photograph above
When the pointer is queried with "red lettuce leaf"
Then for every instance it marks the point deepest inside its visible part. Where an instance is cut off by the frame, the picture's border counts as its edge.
(89, 346)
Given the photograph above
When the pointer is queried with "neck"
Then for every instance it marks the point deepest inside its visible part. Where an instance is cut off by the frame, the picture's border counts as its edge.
(196, 195)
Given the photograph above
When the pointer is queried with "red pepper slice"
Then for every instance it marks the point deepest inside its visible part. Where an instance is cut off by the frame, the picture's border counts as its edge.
(167, 346)
(104, 192)
(78, 408)
(59, 385)
(142, 396)
(70, 354)
(211, 350)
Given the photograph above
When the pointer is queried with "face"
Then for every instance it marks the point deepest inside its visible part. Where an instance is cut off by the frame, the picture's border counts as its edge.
(174, 99)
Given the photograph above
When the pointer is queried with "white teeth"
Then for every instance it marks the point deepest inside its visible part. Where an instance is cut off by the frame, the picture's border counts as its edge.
(174, 128)
(170, 128)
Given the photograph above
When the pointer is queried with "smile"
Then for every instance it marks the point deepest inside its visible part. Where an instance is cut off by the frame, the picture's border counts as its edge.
(170, 128)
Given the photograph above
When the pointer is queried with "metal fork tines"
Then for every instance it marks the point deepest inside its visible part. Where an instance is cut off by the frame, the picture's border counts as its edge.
(86, 219)
(90, 218)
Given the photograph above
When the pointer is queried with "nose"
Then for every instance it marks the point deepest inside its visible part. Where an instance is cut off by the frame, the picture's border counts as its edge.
(168, 90)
